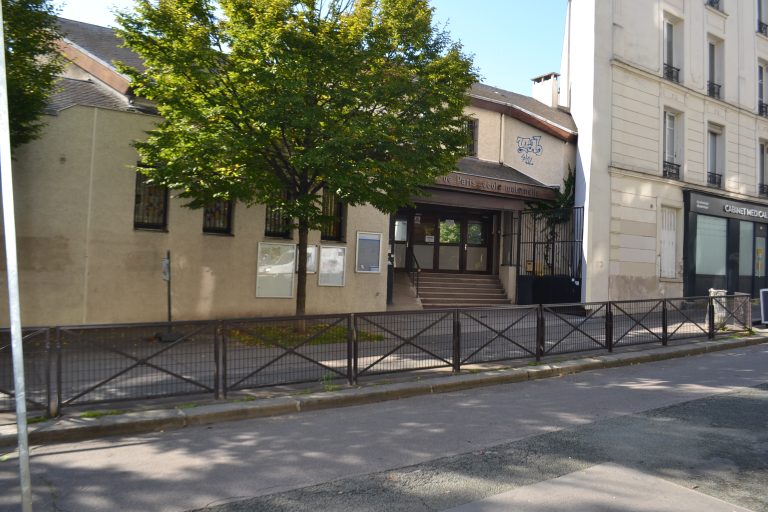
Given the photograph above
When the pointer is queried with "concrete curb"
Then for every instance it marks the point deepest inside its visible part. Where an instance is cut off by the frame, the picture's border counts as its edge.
(78, 429)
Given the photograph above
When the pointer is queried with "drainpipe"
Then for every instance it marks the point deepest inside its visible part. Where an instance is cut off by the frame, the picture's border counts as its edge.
(501, 139)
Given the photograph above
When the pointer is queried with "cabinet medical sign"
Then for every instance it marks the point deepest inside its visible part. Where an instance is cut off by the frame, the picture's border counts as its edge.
(723, 207)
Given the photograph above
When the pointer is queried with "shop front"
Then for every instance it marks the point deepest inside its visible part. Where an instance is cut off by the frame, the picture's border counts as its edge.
(725, 244)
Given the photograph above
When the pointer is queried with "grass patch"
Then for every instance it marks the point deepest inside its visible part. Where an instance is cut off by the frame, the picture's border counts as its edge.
(187, 406)
(290, 336)
(36, 419)
(101, 414)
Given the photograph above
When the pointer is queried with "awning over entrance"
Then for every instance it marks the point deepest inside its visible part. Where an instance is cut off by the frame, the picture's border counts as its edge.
(479, 184)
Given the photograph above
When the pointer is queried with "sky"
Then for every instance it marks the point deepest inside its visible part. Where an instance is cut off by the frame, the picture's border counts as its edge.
(512, 41)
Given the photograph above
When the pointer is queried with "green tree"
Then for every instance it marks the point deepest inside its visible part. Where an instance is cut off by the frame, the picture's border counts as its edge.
(272, 101)
(32, 64)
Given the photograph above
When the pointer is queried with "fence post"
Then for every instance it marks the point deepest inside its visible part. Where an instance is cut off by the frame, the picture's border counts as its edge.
(456, 342)
(664, 323)
(224, 341)
(540, 332)
(353, 346)
(608, 326)
(52, 409)
(711, 317)
(350, 348)
(217, 332)
(56, 410)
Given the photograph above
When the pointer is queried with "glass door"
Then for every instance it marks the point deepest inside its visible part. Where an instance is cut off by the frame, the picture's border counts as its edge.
(476, 244)
(449, 253)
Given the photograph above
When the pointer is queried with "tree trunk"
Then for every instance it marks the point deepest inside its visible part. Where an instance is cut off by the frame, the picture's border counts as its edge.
(301, 288)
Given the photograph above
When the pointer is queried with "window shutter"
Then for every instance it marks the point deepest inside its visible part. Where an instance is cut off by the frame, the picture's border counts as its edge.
(668, 242)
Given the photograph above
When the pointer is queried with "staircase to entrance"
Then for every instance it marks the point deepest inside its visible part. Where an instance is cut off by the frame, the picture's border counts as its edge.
(444, 290)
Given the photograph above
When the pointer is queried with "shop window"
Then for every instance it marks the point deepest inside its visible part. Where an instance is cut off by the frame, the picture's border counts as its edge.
(217, 217)
(673, 39)
(672, 138)
(746, 256)
(711, 234)
(277, 224)
(668, 242)
(150, 209)
(333, 209)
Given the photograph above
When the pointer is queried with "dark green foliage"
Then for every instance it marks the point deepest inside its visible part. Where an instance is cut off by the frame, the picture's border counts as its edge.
(263, 97)
(32, 64)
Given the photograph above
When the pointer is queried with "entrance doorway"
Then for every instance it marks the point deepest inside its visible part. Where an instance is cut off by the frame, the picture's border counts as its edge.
(447, 241)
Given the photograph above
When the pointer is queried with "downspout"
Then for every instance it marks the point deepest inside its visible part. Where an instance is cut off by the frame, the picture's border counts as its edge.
(501, 139)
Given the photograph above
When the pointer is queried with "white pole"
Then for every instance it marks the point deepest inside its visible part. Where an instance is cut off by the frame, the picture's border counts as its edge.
(9, 223)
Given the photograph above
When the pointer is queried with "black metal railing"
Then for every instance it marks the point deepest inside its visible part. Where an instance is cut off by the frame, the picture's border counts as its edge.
(762, 109)
(714, 179)
(672, 73)
(715, 4)
(413, 268)
(671, 170)
(762, 28)
(762, 189)
(74, 365)
(713, 90)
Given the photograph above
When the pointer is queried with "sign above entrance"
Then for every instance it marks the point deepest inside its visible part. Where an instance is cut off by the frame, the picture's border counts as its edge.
(723, 207)
(494, 186)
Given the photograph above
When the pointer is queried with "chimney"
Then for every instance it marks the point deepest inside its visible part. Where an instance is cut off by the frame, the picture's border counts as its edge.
(545, 89)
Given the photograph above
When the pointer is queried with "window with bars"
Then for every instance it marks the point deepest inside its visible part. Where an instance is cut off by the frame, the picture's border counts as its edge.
(277, 223)
(217, 217)
(150, 208)
(333, 208)
(472, 131)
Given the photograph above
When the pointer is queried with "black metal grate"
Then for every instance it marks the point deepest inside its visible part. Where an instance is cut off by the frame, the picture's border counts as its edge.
(126, 362)
(498, 334)
(35, 346)
(713, 90)
(404, 341)
(714, 179)
(570, 328)
(272, 351)
(672, 73)
(671, 170)
(637, 322)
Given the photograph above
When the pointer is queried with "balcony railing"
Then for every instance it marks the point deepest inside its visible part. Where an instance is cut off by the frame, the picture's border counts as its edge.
(763, 109)
(714, 179)
(715, 4)
(713, 90)
(762, 28)
(671, 170)
(672, 73)
(762, 189)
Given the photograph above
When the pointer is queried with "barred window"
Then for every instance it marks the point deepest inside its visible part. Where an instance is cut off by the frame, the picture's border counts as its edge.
(150, 210)
(217, 217)
(472, 130)
(277, 224)
(332, 207)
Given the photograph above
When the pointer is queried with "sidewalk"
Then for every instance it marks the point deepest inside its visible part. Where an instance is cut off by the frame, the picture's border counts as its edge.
(71, 428)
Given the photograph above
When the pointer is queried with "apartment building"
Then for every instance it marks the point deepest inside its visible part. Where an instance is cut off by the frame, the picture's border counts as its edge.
(670, 100)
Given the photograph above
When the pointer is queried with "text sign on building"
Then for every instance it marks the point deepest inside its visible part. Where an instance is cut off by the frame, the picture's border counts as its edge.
(502, 187)
(723, 207)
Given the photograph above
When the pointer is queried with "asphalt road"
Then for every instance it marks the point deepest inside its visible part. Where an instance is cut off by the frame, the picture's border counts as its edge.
(697, 422)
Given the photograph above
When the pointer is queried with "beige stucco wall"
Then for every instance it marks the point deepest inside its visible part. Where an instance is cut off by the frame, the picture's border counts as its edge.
(498, 142)
(81, 260)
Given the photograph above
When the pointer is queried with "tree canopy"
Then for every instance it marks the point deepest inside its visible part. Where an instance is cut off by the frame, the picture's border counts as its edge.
(272, 101)
(32, 64)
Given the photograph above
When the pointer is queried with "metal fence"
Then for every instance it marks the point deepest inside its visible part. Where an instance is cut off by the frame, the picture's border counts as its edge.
(73, 365)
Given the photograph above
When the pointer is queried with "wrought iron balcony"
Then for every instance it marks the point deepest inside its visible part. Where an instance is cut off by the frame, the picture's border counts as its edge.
(713, 90)
(714, 179)
(715, 4)
(671, 170)
(762, 28)
(762, 109)
(762, 189)
(672, 73)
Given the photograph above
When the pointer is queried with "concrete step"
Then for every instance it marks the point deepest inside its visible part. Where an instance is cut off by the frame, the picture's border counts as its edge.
(435, 287)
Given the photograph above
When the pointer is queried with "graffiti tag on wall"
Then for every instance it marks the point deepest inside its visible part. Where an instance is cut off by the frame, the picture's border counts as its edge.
(529, 146)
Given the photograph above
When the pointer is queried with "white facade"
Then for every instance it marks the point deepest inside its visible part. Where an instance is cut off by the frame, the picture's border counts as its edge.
(653, 85)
